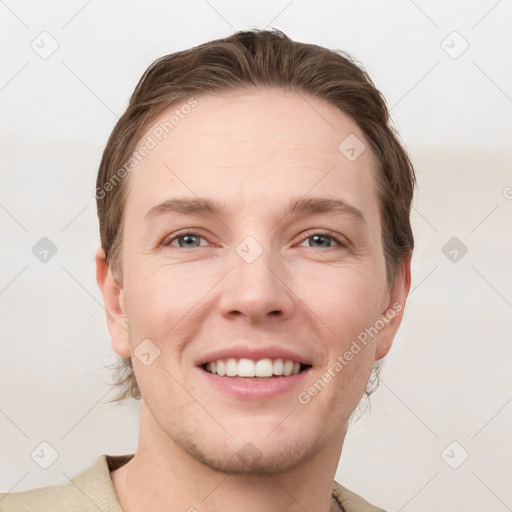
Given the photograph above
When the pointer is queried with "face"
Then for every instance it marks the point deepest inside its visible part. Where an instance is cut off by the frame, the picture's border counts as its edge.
(252, 246)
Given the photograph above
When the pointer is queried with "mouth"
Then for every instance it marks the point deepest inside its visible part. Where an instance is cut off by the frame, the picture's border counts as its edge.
(255, 370)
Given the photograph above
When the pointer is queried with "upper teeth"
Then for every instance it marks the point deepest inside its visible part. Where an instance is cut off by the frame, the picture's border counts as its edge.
(248, 368)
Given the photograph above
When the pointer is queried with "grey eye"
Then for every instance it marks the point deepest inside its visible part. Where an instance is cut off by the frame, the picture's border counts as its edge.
(321, 240)
(187, 241)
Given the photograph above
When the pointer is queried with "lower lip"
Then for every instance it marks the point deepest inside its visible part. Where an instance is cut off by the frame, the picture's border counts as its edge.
(253, 389)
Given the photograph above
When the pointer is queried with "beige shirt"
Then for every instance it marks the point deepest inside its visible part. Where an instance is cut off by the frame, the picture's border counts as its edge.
(92, 491)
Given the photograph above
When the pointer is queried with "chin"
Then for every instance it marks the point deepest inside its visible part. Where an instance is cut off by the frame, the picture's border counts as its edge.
(259, 457)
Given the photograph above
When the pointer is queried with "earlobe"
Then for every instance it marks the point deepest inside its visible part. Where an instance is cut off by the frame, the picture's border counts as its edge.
(113, 299)
(392, 316)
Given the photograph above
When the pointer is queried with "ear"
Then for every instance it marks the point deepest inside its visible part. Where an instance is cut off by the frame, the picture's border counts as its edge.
(113, 298)
(393, 311)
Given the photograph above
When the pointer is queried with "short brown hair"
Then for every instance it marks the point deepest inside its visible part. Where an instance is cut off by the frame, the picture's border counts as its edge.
(240, 62)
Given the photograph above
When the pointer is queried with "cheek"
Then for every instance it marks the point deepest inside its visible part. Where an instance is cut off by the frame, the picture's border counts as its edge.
(354, 312)
(167, 305)
(346, 299)
(162, 295)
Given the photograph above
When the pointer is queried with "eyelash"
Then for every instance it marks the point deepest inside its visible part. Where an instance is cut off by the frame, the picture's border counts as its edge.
(341, 242)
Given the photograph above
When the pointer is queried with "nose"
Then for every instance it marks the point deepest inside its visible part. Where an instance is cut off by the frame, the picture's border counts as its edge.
(257, 290)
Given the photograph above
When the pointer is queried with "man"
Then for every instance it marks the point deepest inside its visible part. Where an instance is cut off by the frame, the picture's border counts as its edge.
(254, 214)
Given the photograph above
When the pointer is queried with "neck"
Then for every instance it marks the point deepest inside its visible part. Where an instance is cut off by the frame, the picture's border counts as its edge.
(162, 472)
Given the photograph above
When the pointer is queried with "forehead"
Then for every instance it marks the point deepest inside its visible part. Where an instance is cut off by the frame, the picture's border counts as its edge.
(252, 146)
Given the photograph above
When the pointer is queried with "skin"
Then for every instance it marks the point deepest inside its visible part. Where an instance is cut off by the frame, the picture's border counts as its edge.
(252, 152)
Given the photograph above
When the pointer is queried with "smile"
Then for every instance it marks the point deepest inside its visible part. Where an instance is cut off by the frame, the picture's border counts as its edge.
(260, 369)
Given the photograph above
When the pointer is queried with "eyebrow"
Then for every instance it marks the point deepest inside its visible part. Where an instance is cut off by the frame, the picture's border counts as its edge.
(296, 206)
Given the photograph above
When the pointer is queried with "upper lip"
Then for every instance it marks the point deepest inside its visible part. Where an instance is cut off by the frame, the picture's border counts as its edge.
(254, 353)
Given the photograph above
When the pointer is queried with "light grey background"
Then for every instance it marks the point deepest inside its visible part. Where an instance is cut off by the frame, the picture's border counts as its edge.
(448, 375)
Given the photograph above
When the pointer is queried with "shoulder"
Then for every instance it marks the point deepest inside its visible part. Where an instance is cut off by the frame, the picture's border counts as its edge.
(352, 502)
(90, 490)
(42, 499)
